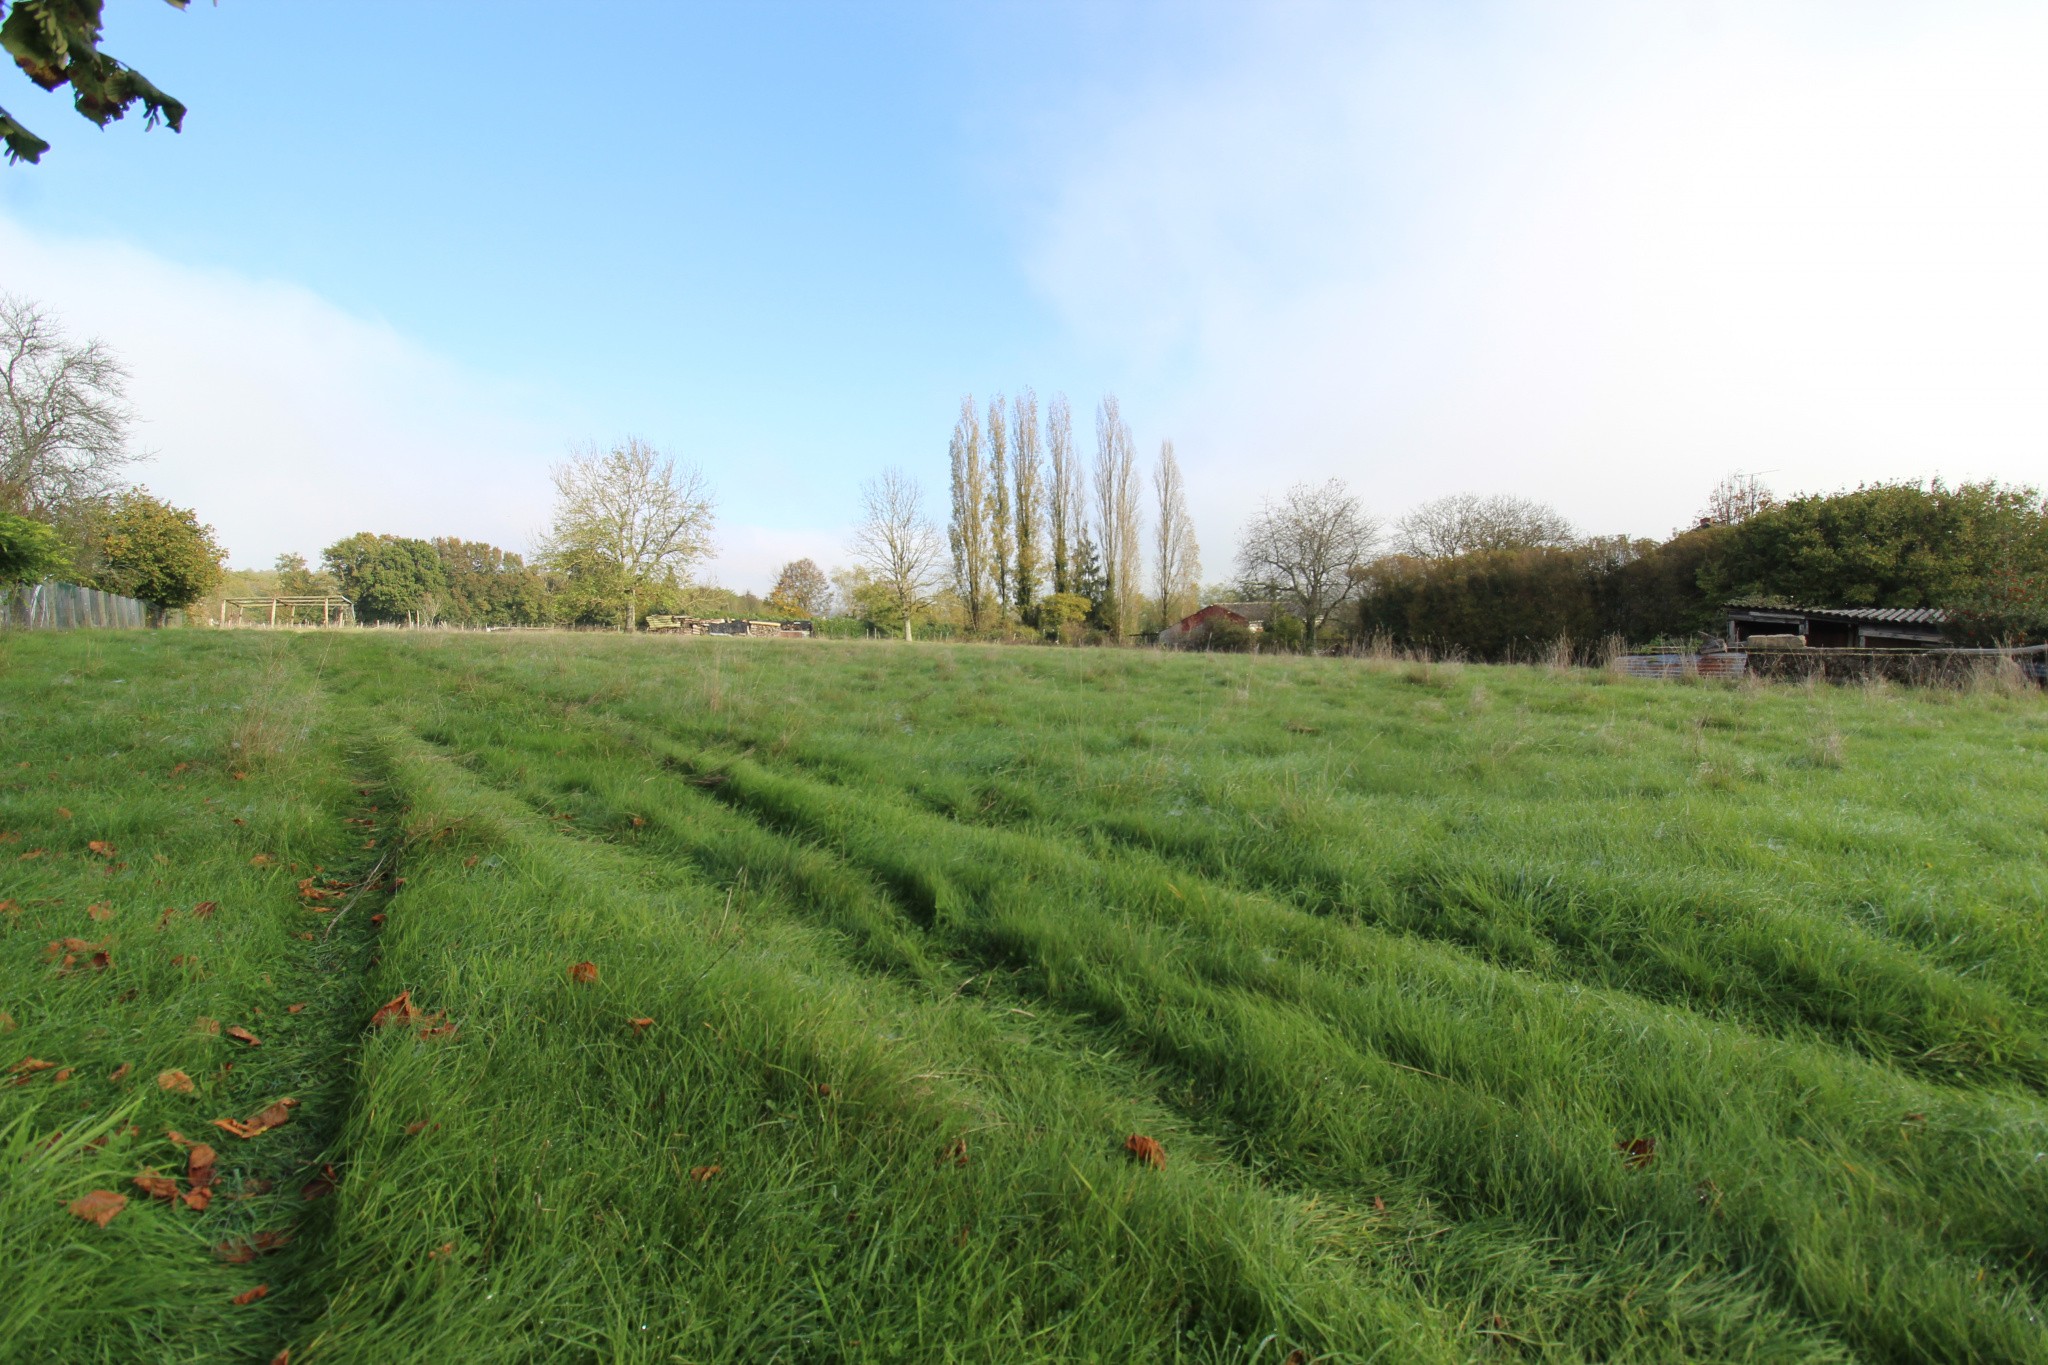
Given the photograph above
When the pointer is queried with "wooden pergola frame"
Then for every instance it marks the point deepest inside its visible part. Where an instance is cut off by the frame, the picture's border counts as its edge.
(334, 608)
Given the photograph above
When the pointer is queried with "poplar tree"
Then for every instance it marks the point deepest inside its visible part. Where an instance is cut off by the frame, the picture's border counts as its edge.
(1064, 508)
(1116, 516)
(999, 528)
(1179, 558)
(968, 531)
(1030, 495)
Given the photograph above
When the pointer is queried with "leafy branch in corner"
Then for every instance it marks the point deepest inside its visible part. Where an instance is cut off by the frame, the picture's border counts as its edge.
(57, 43)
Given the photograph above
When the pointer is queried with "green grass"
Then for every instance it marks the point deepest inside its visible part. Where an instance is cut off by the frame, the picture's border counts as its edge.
(1394, 959)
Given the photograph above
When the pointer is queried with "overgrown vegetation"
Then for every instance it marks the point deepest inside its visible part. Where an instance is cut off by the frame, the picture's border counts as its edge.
(1477, 1011)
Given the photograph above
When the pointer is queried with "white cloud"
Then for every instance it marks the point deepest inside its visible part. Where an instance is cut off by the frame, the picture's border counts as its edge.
(287, 422)
(1595, 255)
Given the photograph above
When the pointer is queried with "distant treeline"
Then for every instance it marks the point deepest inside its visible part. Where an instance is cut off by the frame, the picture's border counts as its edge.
(469, 583)
(1980, 550)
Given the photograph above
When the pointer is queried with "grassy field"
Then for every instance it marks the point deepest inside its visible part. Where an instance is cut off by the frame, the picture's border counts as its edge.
(1478, 1013)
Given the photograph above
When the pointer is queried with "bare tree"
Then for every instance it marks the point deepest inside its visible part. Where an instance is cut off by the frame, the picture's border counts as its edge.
(1064, 504)
(1464, 523)
(1030, 497)
(636, 510)
(1736, 499)
(999, 528)
(64, 414)
(897, 543)
(1178, 558)
(968, 532)
(1308, 551)
(1116, 514)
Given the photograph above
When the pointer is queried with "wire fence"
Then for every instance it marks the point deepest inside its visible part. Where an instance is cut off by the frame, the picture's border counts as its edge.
(67, 606)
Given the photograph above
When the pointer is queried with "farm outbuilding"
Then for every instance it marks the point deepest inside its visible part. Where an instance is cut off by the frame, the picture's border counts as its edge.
(1839, 627)
(1193, 628)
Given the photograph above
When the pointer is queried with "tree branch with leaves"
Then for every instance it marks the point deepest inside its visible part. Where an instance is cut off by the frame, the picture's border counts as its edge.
(57, 43)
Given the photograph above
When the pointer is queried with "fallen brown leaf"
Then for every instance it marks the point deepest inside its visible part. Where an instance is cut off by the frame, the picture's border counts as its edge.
(249, 1296)
(157, 1186)
(955, 1153)
(1637, 1153)
(120, 1073)
(242, 1035)
(197, 1200)
(640, 1025)
(583, 973)
(276, 1116)
(199, 1165)
(99, 912)
(101, 847)
(63, 813)
(29, 1065)
(445, 1249)
(176, 1082)
(322, 1185)
(702, 1173)
(261, 859)
(100, 1207)
(205, 909)
(1146, 1150)
(398, 1010)
(293, 1009)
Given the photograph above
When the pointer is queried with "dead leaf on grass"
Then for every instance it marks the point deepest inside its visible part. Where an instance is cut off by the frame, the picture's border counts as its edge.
(1147, 1150)
(640, 1026)
(100, 912)
(157, 1186)
(293, 1009)
(583, 973)
(177, 1082)
(205, 909)
(99, 1208)
(101, 847)
(275, 1116)
(395, 1011)
(249, 1296)
(321, 1185)
(703, 1173)
(1637, 1153)
(441, 1251)
(954, 1154)
(242, 1035)
(261, 859)
(199, 1165)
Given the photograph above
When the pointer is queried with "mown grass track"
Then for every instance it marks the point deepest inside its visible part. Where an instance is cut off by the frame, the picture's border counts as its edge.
(1390, 958)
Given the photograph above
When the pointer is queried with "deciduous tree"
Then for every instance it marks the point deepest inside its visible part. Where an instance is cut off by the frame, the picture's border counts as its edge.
(1066, 506)
(389, 578)
(1466, 523)
(63, 414)
(1029, 461)
(1000, 532)
(897, 543)
(145, 548)
(801, 590)
(1117, 517)
(636, 509)
(968, 532)
(1308, 551)
(1178, 566)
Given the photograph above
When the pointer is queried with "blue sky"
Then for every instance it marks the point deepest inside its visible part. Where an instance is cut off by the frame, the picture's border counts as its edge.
(405, 255)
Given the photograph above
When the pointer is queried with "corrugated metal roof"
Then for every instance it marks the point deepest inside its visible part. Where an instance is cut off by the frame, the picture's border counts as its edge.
(1904, 616)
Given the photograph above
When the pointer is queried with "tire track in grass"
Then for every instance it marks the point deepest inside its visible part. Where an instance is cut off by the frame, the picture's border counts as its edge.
(1584, 1310)
(767, 997)
(1822, 1259)
(1728, 956)
(1409, 1235)
(1814, 1267)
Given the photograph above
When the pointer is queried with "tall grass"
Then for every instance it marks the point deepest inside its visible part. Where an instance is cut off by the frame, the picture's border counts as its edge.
(1480, 1011)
